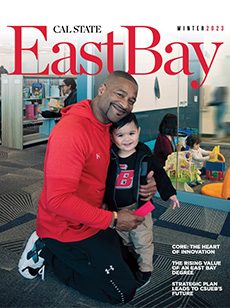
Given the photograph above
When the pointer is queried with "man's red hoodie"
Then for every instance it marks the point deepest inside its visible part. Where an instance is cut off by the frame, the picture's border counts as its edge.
(75, 169)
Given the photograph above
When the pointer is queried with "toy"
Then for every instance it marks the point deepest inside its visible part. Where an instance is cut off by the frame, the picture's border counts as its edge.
(186, 174)
(144, 209)
(55, 104)
(218, 190)
(181, 168)
(38, 90)
(214, 167)
(197, 175)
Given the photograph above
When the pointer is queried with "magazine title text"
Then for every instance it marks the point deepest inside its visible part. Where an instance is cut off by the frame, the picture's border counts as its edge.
(110, 44)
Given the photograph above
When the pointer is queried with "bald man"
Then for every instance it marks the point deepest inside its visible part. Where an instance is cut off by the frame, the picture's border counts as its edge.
(74, 235)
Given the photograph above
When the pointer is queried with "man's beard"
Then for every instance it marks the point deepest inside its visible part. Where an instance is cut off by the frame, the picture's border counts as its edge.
(120, 110)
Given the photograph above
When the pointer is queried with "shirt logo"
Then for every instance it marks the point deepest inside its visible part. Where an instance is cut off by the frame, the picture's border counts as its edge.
(125, 178)
(98, 155)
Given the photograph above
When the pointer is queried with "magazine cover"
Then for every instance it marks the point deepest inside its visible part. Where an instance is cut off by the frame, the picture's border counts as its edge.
(179, 54)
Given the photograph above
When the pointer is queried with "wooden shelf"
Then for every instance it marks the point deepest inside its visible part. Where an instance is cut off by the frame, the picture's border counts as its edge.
(15, 127)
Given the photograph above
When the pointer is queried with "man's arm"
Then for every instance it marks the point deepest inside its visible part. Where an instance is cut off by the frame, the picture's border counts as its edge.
(65, 159)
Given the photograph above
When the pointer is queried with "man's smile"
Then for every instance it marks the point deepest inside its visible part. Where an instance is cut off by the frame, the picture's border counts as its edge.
(118, 108)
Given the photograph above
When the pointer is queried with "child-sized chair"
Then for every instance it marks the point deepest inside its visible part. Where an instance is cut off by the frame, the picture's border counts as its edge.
(218, 190)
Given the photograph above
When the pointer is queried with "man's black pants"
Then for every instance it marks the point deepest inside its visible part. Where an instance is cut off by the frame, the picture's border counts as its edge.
(94, 266)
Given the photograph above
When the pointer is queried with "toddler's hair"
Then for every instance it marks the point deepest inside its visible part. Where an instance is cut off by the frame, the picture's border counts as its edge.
(193, 139)
(126, 120)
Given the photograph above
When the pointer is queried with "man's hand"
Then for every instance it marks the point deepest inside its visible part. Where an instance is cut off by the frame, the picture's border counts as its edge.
(126, 221)
(174, 202)
(148, 190)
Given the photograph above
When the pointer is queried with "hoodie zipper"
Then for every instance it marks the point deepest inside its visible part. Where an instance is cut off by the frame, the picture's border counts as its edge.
(139, 176)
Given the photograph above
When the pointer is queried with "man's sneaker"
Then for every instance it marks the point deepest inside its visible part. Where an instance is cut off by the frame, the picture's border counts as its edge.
(142, 279)
(30, 263)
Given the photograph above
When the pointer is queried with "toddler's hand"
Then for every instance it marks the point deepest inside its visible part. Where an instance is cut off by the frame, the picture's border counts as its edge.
(174, 202)
(211, 155)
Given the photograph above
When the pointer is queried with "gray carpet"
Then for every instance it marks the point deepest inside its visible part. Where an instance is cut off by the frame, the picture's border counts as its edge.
(20, 185)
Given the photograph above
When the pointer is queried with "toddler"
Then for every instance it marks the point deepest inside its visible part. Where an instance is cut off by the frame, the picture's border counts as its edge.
(128, 157)
(199, 156)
